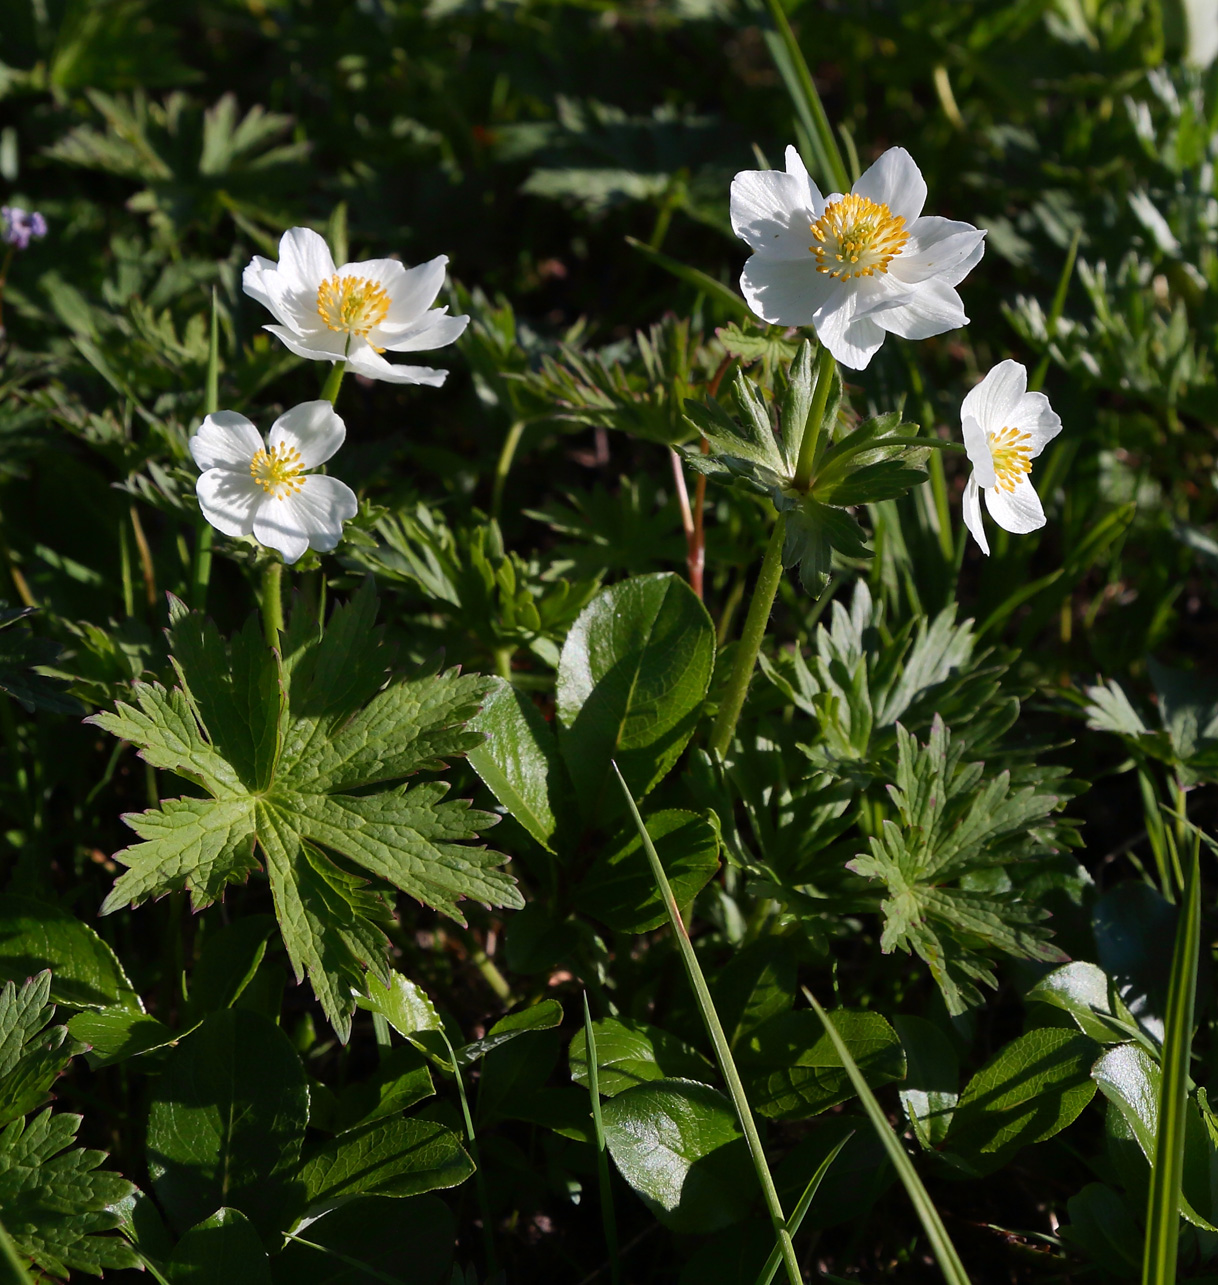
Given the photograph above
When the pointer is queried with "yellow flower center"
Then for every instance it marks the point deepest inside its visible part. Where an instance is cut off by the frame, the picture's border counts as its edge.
(279, 471)
(857, 237)
(352, 305)
(1011, 452)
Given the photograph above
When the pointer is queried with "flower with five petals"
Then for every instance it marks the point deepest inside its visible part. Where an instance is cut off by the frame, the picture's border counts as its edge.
(1005, 429)
(265, 489)
(356, 312)
(855, 267)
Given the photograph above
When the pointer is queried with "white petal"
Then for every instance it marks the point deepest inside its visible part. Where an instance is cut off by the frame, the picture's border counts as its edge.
(411, 290)
(972, 513)
(941, 248)
(993, 401)
(895, 181)
(770, 210)
(785, 293)
(328, 345)
(1033, 415)
(364, 361)
(229, 499)
(797, 169)
(313, 428)
(313, 516)
(977, 446)
(930, 308)
(433, 329)
(304, 259)
(1019, 511)
(225, 440)
(851, 338)
(260, 281)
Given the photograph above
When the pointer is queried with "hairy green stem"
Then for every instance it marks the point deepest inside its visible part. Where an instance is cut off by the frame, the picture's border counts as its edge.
(272, 602)
(503, 466)
(723, 1051)
(764, 593)
(334, 381)
(811, 438)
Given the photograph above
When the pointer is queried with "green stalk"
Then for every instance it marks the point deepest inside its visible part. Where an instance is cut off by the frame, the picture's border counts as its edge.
(484, 1203)
(723, 1052)
(764, 593)
(940, 1242)
(11, 1266)
(200, 575)
(1055, 310)
(334, 381)
(608, 1218)
(811, 438)
(805, 94)
(805, 1203)
(362, 1268)
(503, 466)
(272, 602)
(1167, 1172)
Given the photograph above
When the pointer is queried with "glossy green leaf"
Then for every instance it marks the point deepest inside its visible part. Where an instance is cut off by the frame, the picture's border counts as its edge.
(619, 889)
(227, 965)
(223, 1248)
(1132, 922)
(931, 1086)
(679, 1145)
(226, 1123)
(792, 1067)
(32, 1052)
(542, 1016)
(630, 1053)
(631, 681)
(115, 1034)
(1083, 990)
(400, 1079)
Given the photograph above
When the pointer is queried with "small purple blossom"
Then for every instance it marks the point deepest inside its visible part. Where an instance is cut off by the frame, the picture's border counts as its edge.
(18, 227)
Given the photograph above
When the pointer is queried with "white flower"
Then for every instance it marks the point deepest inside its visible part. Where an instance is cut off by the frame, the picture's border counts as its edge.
(1005, 429)
(249, 487)
(356, 312)
(855, 267)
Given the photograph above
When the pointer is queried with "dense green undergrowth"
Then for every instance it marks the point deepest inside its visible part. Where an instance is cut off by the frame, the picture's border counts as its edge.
(430, 910)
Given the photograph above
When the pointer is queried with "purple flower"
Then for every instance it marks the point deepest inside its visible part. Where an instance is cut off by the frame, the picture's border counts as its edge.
(18, 227)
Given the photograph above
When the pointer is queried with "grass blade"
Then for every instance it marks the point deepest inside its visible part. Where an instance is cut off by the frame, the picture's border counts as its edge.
(695, 277)
(608, 1218)
(1163, 1206)
(940, 1242)
(723, 1052)
(11, 1267)
(801, 1208)
(201, 571)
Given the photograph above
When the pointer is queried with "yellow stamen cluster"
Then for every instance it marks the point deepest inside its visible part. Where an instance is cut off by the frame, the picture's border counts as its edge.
(352, 305)
(279, 471)
(857, 237)
(1011, 452)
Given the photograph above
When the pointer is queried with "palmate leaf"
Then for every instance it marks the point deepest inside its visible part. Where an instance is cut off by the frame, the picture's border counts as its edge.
(952, 825)
(32, 1052)
(286, 750)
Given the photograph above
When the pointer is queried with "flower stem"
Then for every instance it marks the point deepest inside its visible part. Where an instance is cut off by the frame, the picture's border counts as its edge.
(764, 593)
(503, 466)
(272, 602)
(200, 572)
(811, 437)
(334, 381)
(723, 1051)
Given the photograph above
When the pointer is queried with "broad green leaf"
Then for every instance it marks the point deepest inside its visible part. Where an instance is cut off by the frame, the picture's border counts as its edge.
(57, 1204)
(1131, 922)
(630, 1053)
(224, 1247)
(543, 1016)
(286, 752)
(227, 964)
(85, 972)
(21, 655)
(407, 1007)
(403, 1240)
(768, 344)
(631, 681)
(1083, 991)
(1104, 1227)
(757, 983)
(32, 1053)
(931, 1086)
(619, 889)
(518, 761)
(679, 1145)
(115, 1034)
(401, 1079)
(226, 1123)
(396, 1157)
(792, 1069)
(1029, 1091)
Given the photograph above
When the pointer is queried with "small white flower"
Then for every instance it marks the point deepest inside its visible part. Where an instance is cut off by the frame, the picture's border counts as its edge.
(855, 267)
(249, 487)
(1005, 429)
(356, 312)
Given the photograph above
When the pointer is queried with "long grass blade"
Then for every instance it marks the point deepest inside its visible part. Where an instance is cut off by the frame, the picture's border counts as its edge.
(1167, 1173)
(1055, 310)
(695, 277)
(723, 1051)
(200, 575)
(608, 1217)
(12, 1269)
(801, 1208)
(940, 1242)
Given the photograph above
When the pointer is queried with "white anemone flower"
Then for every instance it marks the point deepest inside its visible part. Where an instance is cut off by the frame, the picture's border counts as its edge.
(855, 267)
(356, 312)
(264, 489)
(1005, 429)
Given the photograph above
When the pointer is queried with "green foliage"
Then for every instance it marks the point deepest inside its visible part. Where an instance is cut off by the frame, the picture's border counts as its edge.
(278, 745)
(21, 657)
